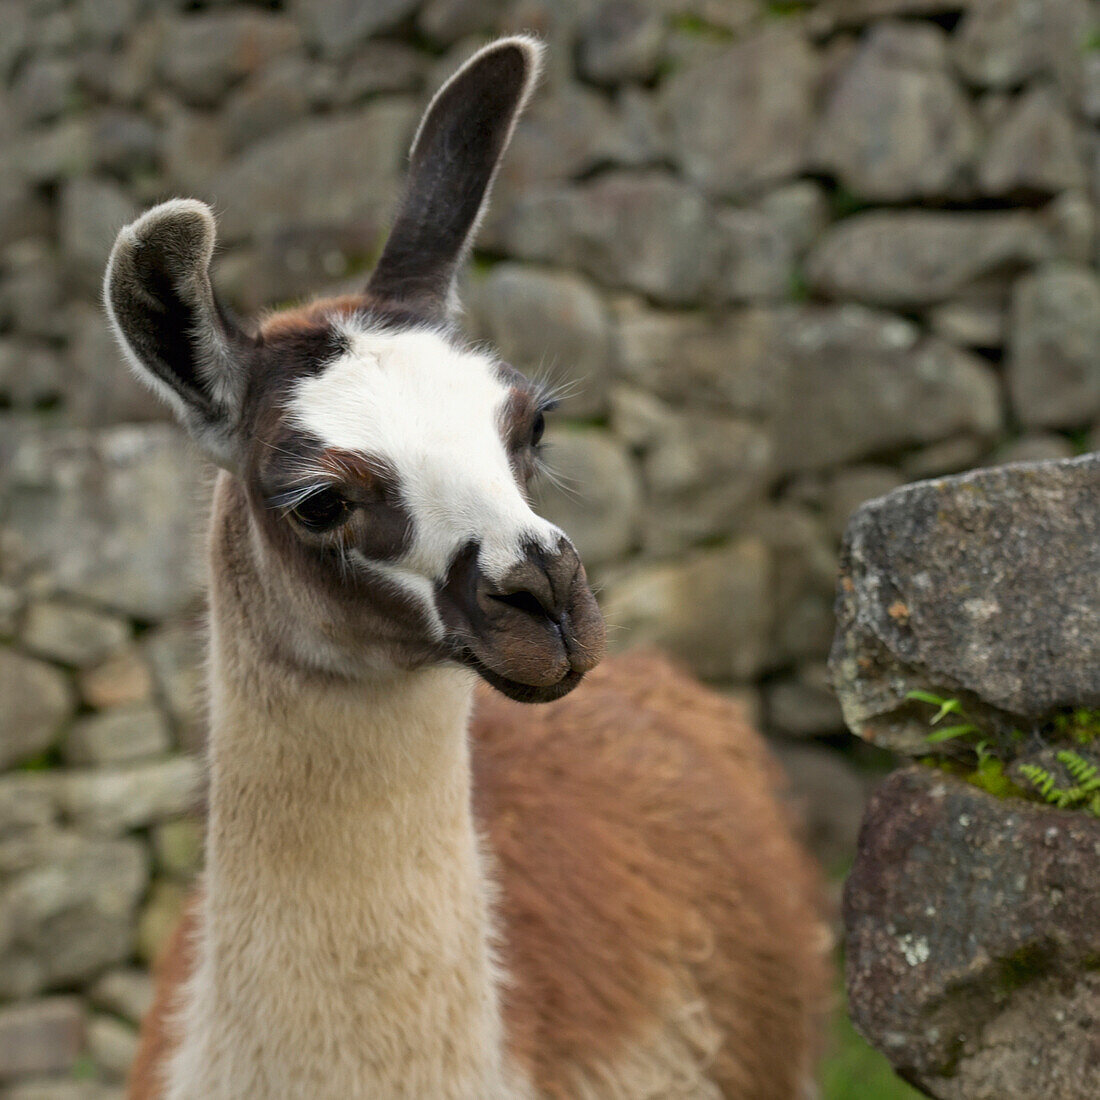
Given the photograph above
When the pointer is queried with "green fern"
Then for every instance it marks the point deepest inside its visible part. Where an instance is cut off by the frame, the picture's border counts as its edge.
(1083, 795)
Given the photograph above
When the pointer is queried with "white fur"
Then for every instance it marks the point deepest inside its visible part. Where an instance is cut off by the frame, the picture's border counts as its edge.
(433, 412)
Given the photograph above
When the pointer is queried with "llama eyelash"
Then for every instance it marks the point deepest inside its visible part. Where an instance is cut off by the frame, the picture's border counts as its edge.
(289, 499)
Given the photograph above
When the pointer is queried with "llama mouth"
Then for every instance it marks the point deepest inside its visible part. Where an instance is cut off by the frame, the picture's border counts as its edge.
(516, 689)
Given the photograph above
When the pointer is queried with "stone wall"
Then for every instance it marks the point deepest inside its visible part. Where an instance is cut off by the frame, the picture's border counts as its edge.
(783, 257)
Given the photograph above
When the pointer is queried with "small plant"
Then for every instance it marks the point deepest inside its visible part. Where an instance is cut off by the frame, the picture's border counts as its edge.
(1083, 795)
(963, 729)
(1081, 725)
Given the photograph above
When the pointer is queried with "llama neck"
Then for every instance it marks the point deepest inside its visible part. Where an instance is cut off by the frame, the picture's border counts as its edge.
(345, 944)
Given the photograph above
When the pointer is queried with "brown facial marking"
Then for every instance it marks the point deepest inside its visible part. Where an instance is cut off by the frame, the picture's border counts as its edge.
(517, 419)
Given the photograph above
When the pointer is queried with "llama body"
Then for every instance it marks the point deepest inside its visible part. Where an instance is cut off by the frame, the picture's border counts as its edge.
(594, 899)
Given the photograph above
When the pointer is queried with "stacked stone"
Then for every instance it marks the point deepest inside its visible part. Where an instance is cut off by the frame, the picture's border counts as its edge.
(98, 834)
(781, 258)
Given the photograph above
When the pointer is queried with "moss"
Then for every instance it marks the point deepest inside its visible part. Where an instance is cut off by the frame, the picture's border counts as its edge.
(977, 756)
(695, 25)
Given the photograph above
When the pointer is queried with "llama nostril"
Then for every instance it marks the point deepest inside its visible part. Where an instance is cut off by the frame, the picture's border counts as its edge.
(527, 602)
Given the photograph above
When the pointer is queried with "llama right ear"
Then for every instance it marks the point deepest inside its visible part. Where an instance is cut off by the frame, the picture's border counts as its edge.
(454, 158)
(177, 338)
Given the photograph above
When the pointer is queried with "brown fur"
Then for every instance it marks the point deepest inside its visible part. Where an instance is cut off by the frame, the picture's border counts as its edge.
(634, 827)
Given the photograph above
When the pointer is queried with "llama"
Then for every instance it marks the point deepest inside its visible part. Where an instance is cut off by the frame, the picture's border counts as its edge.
(416, 886)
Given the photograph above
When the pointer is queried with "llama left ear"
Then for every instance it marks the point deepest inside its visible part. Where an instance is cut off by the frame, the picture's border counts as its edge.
(178, 340)
(454, 158)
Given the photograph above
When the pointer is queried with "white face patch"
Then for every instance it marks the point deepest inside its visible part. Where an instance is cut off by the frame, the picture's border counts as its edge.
(433, 413)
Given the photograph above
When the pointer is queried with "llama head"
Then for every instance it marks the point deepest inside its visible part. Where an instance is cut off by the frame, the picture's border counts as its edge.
(382, 463)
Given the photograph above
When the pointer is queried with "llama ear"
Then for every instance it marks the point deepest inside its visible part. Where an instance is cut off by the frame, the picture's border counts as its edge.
(177, 338)
(453, 160)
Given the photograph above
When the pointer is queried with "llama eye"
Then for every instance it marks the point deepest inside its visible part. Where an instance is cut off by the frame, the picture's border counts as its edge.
(537, 429)
(322, 511)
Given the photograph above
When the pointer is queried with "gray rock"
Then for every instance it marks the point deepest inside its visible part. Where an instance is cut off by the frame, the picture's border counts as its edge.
(118, 736)
(896, 125)
(203, 54)
(804, 705)
(107, 20)
(11, 607)
(982, 585)
(1090, 86)
(827, 796)
(714, 363)
(126, 73)
(178, 846)
(850, 488)
(108, 516)
(378, 67)
(1040, 447)
(47, 154)
(112, 1046)
(35, 701)
(701, 471)
(1033, 149)
(276, 96)
(711, 610)
(916, 258)
(949, 456)
(566, 133)
(640, 231)
(31, 375)
(55, 1088)
(802, 583)
(548, 324)
(126, 143)
(340, 169)
(99, 388)
(700, 468)
(1054, 360)
(1071, 221)
(44, 1036)
(970, 324)
(72, 915)
(1003, 43)
(592, 492)
(623, 40)
(859, 383)
(338, 26)
(446, 21)
(43, 89)
(23, 213)
(160, 916)
(72, 635)
(29, 814)
(32, 295)
(971, 924)
(799, 209)
(109, 802)
(741, 119)
(759, 260)
(125, 992)
(194, 149)
(175, 652)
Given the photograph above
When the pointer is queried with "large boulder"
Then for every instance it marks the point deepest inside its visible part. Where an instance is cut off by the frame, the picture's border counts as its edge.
(983, 586)
(972, 939)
